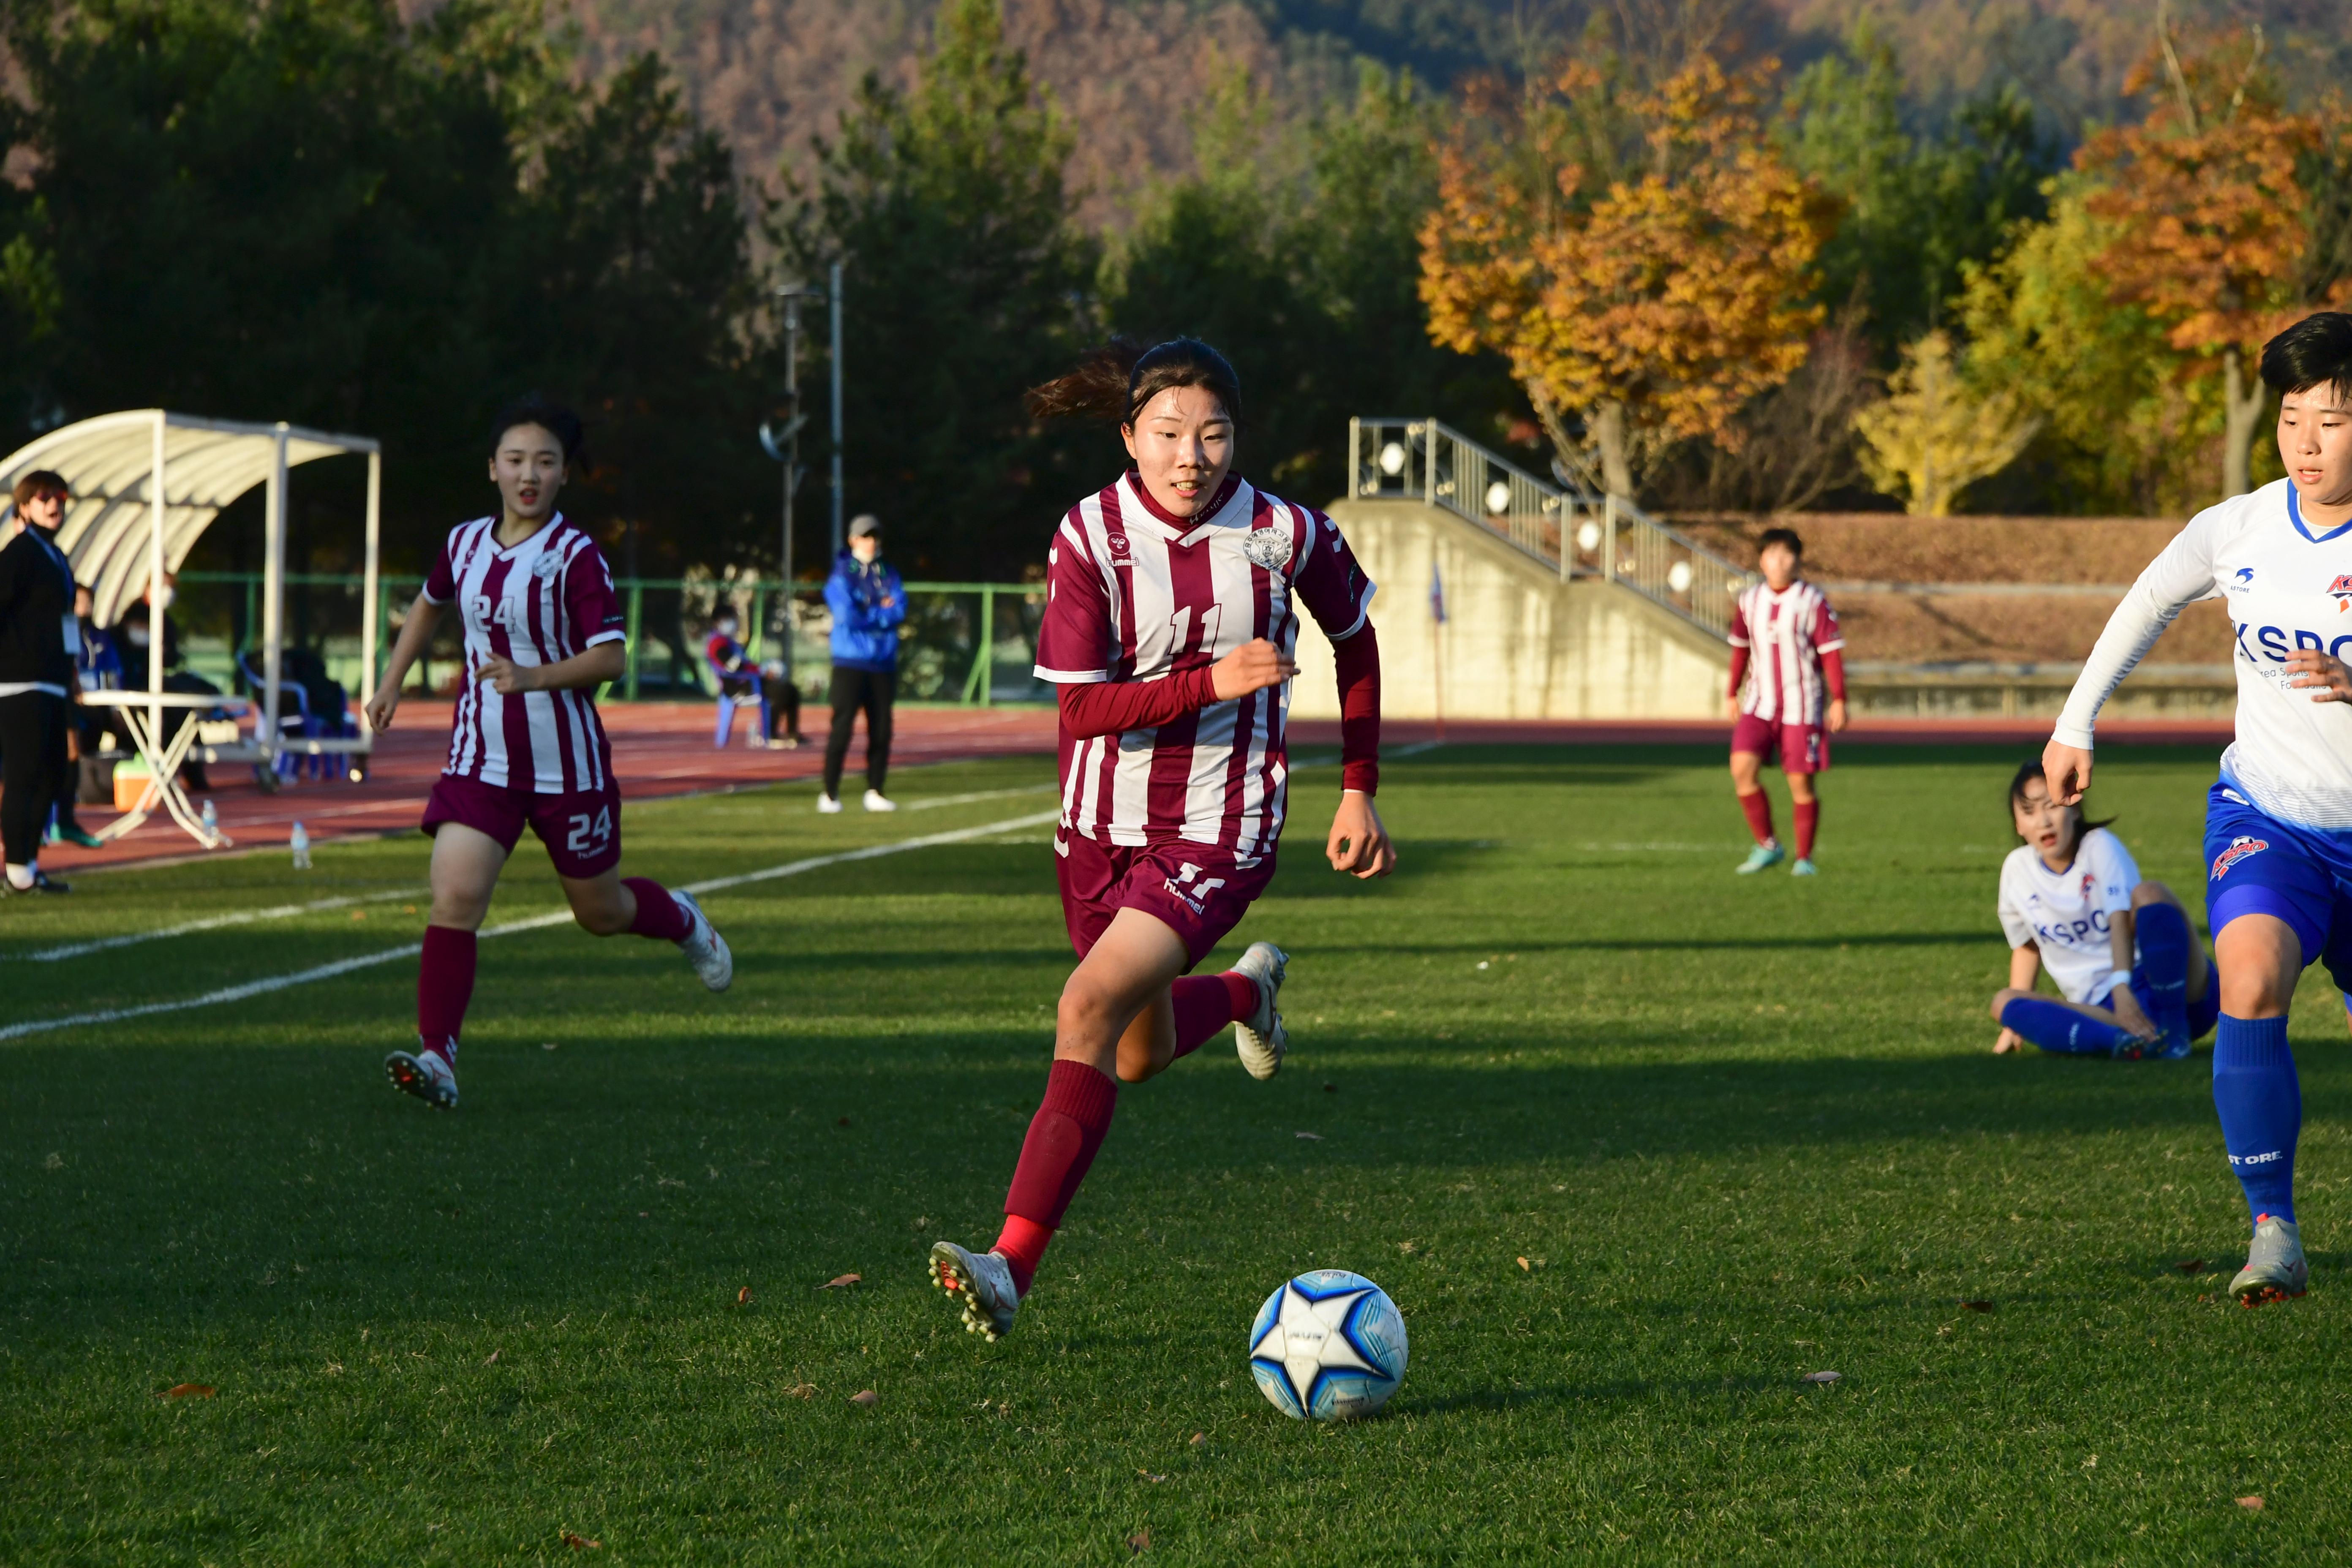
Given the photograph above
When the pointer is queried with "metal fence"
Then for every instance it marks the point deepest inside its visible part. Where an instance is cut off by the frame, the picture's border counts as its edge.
(966, 643)
(1587, 536)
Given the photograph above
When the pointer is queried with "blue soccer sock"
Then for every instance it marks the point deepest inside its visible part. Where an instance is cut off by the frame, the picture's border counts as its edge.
(2261, 1102)
(2164, 938)
(2054, 1026)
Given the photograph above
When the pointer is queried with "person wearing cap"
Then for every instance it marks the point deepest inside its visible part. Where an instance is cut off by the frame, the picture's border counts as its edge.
(40, 642)
(868, 603)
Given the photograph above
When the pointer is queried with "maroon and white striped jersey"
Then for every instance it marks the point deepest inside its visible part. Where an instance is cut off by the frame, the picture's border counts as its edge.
(1133, 594)
(1789, 631)
(546, 599)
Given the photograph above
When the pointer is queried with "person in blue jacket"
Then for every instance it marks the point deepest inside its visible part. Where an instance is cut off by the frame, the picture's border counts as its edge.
(867, 603)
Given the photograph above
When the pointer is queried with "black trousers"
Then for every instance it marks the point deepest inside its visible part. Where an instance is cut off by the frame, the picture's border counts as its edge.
(872, 689)
(32, 770)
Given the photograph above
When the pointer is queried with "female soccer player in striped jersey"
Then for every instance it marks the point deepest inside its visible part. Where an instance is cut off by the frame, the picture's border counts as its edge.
(1172, 608)
(542, 631)
(2120, 949)
(2278, 823)
(1788, 696)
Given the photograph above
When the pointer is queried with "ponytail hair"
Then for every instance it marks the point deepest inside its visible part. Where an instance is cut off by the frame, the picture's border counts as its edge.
(1118, 380)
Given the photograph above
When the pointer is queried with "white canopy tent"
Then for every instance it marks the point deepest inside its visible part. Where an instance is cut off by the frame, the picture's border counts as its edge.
(146, 483)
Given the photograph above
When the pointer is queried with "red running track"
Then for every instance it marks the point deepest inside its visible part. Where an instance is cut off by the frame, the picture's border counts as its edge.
(664, 749)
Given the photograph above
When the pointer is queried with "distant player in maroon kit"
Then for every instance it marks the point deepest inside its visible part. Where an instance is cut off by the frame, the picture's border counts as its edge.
(1785, 660)
(1174, 598)
(543, 632)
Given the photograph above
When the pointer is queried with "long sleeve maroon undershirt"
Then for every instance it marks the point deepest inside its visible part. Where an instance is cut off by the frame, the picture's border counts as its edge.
(1833, 672)
(1108, 707)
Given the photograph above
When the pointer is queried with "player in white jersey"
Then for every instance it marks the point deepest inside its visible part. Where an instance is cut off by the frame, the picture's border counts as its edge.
(2278, 823)
(1788, 696)
(526, 748)
(1173, 602)
(2120, 949)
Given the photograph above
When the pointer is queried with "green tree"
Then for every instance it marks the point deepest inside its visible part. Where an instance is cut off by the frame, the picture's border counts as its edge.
(1293, 249)
(966, 284)
(308, 211)
(1918, 209)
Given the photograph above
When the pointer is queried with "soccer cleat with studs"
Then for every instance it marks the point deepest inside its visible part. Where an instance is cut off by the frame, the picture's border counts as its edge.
(1804, 868)
(704, 947)
(2275, 1269)
(1260, 1039)
(982, 1282)
(424, 1074)
(1764, 856)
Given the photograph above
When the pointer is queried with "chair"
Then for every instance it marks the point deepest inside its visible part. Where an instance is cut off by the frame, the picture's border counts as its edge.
(303, 722)
(728, 704)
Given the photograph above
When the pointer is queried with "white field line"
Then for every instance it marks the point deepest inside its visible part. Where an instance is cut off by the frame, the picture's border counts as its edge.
(210, 923)
(534, 922)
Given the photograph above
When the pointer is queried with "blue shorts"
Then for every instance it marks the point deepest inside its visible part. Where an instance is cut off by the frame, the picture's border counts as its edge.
(2257, 865)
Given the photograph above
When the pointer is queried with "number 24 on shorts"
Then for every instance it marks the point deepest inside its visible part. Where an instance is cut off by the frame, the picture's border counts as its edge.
(589, 835)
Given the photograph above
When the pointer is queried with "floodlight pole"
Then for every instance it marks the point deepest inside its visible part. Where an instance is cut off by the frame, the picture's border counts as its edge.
(833, 295)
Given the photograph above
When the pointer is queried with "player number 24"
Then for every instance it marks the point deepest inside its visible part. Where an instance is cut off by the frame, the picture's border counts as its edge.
(588, 833)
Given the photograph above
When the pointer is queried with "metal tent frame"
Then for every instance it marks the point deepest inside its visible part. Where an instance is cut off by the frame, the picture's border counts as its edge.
(145, 484)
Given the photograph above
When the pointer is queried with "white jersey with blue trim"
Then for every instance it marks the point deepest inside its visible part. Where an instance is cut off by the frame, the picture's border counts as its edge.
(2067, 914)
(2289, 586)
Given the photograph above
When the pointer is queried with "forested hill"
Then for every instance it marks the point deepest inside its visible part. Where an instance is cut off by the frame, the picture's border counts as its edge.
(769, 74)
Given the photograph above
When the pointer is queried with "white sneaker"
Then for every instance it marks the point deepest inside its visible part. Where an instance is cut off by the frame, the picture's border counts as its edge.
(984, 1280)
(877, 801)
(704, 947)
(1260, 1039)
(827, 805)
(424, 1074)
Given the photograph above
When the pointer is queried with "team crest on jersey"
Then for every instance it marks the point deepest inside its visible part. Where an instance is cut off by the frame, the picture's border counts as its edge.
(2341, 592)
(2089, 882)
(1269, 547)
(2239, 848)
(1118, 547)
(546, 567)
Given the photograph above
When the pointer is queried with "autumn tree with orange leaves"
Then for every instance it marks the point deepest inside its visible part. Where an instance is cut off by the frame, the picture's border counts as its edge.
(1639, 256)
(2208, 218)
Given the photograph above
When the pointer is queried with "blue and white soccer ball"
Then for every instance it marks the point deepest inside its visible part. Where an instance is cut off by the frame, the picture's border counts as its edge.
(1327, 1346)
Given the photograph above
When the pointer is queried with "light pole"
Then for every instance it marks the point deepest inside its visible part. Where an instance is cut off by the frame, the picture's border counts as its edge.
(782, 442)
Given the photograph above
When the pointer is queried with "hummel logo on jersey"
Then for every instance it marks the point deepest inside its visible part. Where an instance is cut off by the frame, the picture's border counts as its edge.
(2239, 848)
(1269, 547)
(1196, 894)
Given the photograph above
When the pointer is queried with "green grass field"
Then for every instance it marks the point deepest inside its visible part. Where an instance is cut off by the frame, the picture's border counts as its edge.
(1740, 1130)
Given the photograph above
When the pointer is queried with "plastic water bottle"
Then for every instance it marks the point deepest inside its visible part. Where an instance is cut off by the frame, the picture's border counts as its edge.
(211, 818)
(299, 842)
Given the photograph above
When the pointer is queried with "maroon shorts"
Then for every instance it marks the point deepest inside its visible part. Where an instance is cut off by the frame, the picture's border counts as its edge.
(1801, 748)
(581, 829)
(1195, 890)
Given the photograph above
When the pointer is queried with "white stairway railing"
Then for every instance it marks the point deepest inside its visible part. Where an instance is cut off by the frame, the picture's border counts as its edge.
(1420, 459)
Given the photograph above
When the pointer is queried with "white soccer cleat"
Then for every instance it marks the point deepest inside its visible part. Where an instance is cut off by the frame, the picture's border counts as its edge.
(984, 1281)
(877, 801)
(424, 1074)
(828, 805)
(1260, 1039)
(704, 947)
(2275, 1269)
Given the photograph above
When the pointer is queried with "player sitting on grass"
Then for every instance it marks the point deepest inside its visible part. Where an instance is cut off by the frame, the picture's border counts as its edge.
(543, 632)
(1174, 605)
(2278, 823)
(2072, 901)
(1784, 660)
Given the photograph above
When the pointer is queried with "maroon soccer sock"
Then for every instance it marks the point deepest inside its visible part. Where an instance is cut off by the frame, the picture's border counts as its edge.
(1064, 1137)
(1759, 807)
(1808, 813)
(1205, 1003)
(445, 985)
(658, 915)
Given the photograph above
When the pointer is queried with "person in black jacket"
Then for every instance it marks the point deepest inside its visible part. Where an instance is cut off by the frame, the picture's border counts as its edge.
(39, 641)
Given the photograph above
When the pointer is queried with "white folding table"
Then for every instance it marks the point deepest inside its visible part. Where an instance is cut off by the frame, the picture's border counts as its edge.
(141, 714)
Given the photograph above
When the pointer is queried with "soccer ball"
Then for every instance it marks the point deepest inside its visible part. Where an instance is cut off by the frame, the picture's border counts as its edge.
(1327, 1346)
